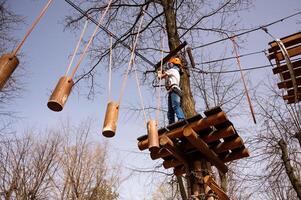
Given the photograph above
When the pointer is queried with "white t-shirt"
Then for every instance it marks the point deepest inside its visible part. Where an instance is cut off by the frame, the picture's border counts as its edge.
(173, 78)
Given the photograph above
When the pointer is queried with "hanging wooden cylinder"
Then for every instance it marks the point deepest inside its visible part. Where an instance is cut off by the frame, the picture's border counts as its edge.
(111, 117)
(8, 64)
(60, 94)
(153, 137)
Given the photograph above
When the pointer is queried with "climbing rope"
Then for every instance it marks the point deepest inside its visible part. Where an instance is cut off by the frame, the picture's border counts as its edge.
(140, 94)
(159, 78)
(77, 47)
(131, 59)
(91, 39)
(32, 27)
(242, 77)
(110, 69)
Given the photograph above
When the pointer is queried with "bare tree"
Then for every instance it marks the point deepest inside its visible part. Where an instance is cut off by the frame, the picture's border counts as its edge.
(55, 166)
(8, 22)
(27, 166)
(84, 173)
(278, 146)
(171, 17)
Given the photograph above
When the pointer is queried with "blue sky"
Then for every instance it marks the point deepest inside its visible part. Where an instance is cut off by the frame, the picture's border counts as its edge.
(46, 58)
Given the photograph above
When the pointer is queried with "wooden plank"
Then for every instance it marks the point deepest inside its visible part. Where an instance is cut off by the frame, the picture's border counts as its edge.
(171, 54)
(166, 143)
(189, 52)
(236, 154)
(219, 134)
(171, 163)
(293, 51)
(160, 154)
(179, 170)
(288, 83)
(197, 126)
(286, 75)
(213, 185)
(291, 98)
(213, 111)
(287, 41)
(211, 156)
(228, 145)
(284, 67)
(173, 126)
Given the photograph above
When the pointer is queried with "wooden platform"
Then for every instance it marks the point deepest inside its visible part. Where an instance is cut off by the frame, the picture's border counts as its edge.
(289, 80)
(213, 138)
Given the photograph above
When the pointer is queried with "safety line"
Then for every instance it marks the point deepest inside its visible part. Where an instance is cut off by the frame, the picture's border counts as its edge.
(91, 39)
(243, 79)
(32, 27)
(107, 31)
(140, 93)
(158, 88)
(249, 31)
(236, 70)
(110, 69)
(131, 59)
(230, 58)
(77, 47)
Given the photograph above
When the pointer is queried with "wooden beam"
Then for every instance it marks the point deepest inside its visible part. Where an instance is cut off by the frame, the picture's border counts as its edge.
(171, 163)
(166, 143)
(284, 67)
(171, 54)
(219, 134)
(197, 126)
(189, 52)
(213, 185)
(286, 75)
(160, 154)
(293, 51)
(211, 156)
(288, 83)
(179, 170)
(287, 41)
(236, 154)
(228, 145)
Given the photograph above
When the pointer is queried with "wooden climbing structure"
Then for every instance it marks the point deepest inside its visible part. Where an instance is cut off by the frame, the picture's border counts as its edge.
(288, 67)
(181, 144)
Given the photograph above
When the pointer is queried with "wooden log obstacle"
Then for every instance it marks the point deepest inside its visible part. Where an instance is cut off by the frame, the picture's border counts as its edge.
(290, 74)
(183, 143)
(180, 144)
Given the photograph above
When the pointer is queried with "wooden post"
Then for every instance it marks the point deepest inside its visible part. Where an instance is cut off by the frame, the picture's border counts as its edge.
(153, 137)
(190, 57)
(111, 117)
(60, 94)
(195, 179)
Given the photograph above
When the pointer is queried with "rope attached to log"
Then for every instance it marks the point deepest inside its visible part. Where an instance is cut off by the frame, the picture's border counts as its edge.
(91, 39)
(110, 69)
(131, 59)
(77, 47)
(242, 77)
(32, 27)
(159, 88)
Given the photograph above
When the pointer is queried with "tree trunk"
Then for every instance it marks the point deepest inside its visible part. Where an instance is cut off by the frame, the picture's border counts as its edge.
(289, 169)
(188, 103)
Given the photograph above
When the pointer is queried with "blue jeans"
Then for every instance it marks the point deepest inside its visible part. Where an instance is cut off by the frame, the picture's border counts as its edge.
(174, 107)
